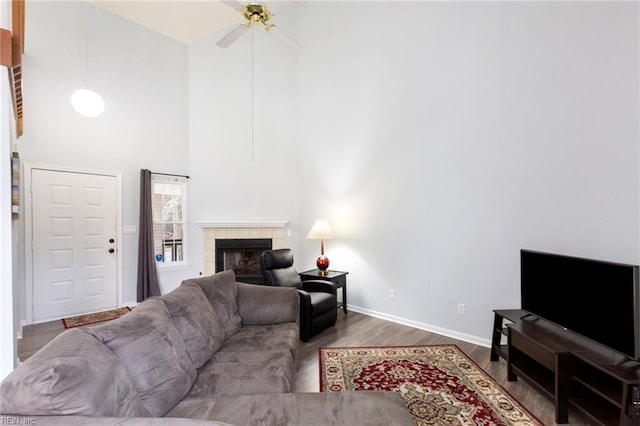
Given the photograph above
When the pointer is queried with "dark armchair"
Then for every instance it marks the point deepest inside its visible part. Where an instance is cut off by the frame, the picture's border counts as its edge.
(318, 300)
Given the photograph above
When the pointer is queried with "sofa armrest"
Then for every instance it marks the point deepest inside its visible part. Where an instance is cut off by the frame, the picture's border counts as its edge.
(260, 305)
(320, 285)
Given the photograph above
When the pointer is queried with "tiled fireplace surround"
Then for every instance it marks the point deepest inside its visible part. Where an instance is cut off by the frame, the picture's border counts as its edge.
(237, 230)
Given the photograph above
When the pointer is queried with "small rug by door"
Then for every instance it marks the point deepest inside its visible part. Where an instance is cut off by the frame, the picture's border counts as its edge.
(81, 320)
(440, 384)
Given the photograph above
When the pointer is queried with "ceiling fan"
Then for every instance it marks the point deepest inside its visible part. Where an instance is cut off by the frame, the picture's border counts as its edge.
(256, 14)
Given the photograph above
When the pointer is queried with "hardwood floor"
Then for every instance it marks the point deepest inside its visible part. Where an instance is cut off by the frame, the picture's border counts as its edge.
(354, 329)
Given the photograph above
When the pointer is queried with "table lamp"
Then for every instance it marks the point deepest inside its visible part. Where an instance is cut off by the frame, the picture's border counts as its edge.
(321, 231)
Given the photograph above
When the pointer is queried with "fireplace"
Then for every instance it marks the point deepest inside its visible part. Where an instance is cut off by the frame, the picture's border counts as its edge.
(242, 256)
(213, 231)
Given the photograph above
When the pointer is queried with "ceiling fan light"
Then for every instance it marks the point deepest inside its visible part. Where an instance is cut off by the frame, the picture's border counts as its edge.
(87, 103)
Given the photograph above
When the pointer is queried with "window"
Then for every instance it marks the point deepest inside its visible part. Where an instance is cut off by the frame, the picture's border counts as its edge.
(169, 220)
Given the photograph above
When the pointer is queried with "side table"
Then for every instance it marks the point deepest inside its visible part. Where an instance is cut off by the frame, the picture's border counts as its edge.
(337, 277)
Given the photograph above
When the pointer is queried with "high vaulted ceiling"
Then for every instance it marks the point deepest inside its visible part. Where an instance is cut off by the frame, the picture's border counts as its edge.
(184, 20)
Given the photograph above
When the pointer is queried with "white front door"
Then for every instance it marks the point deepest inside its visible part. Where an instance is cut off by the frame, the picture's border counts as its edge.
(74, 226)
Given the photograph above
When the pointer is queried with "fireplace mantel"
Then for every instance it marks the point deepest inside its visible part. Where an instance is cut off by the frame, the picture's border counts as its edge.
(257, 224)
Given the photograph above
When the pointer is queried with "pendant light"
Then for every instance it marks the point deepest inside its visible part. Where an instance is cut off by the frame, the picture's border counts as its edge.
(87, 102)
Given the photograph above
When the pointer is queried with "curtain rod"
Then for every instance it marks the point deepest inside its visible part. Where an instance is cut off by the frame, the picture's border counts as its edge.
(169, 174)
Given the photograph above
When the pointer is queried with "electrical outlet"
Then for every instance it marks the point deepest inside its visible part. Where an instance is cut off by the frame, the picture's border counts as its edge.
(392, 294)
(461, 309)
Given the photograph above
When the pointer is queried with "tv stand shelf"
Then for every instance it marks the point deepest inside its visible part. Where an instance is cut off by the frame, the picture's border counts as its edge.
(569, 370)
(602, 387)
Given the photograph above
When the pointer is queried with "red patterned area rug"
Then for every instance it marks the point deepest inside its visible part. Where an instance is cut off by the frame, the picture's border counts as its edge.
(81, 320)
(440, 384)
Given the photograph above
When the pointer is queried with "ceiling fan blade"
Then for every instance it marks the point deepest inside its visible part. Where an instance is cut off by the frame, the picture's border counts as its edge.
(232, 3)
(232, 36)
(284, 38)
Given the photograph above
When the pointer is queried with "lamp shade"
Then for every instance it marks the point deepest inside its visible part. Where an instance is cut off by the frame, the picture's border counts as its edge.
(321, 231)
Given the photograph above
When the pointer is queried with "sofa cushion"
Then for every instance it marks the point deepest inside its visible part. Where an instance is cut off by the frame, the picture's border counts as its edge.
(254, 338)
(374, 408)
(196, 321)
(74, 374)
(240, 373)
(262, 304)
(221, 290)
(151, 349)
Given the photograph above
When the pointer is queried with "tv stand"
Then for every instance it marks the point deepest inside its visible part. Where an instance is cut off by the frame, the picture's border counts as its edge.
(568, 369)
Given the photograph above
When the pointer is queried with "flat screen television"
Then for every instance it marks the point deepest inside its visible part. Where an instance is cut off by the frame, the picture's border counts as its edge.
(596, 299)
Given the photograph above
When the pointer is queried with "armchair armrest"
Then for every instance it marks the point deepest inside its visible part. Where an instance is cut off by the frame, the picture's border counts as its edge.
(305, 300)
(320, 285)
(259, 304)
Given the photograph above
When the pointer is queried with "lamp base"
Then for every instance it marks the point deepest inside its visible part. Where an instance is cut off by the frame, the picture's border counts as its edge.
(322, 263)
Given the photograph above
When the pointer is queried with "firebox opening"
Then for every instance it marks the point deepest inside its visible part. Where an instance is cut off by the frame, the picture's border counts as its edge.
(243, 257)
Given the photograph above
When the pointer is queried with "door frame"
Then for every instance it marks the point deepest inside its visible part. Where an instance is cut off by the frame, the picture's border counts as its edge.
(28, 227)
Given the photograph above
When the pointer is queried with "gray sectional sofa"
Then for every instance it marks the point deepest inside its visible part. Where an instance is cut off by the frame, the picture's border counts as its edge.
(213, 351)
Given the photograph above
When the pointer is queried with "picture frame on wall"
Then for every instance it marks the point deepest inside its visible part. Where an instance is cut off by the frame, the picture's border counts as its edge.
(15, 185)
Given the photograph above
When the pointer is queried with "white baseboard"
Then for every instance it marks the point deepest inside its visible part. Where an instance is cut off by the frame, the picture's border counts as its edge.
(426, 327)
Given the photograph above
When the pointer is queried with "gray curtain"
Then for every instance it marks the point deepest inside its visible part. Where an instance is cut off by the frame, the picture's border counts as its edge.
(147, 275)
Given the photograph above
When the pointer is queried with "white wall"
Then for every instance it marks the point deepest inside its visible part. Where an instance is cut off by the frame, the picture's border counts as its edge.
(234, 179)
(142, 77)
(7, 290)
(8, 303)
(438, 138)
(454, 134)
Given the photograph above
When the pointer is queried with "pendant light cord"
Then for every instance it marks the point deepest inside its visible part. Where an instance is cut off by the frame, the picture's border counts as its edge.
(87, 102)
(86, 47)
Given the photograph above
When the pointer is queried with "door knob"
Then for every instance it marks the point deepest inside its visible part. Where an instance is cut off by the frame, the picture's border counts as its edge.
(111, 240)
(111, 250)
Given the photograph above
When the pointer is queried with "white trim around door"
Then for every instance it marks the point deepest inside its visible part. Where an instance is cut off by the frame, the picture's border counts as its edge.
(28, 215)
